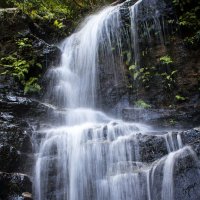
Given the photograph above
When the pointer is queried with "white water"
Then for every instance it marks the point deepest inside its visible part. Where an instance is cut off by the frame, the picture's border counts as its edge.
(150, 29)
(92, 156)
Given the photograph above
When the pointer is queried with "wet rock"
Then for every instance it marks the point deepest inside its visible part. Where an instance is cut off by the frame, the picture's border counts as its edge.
(145, 115)
(162, 118)
(48, 55)
(13, 186)
(27, 195)
(110, 93)
(187, 177)
(187, 63)
(12, 21)
(10, 157)
(18, 114)
(152, 148)
(192, 138)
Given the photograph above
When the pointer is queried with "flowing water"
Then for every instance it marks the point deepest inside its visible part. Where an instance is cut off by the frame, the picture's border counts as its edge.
(89, 155)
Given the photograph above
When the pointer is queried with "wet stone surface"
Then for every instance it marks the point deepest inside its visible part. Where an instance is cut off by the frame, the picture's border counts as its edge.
(18, 117)
(14, 185)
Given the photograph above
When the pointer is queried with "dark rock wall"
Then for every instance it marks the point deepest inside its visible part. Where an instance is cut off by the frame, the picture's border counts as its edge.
(186, 81)
(19, 114)
(18, 119)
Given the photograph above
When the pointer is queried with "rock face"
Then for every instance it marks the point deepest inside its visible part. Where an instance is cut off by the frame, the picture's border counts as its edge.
(164, 118)
(153, 151)
(184, 83)
(110, 92)
(187, 176)
(16, 25)
(18, 117)
(14, 186)
(19, 114)
(159, 84)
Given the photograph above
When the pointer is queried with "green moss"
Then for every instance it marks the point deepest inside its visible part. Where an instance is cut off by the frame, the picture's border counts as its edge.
(141, 104)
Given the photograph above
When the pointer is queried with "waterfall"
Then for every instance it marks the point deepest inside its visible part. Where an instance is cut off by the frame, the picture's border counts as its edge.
(89, 155)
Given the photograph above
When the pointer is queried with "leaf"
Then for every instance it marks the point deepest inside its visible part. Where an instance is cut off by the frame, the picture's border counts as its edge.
(141, 104)
(128, 58)
(5, 72)
(174, 72)
(58, 24)
(31, 86)
(142, 70)
(39, 65)
(166, 60)
(180, 98)
(136, 74)
(132, 67)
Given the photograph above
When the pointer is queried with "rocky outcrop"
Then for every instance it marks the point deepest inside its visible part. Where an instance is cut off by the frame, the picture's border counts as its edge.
(18, 119)
(192, 138)
(185, 177)
(187, 117)
(184, 83)
(173, 87)
(19, 114)
(15, 25)
(15, 186)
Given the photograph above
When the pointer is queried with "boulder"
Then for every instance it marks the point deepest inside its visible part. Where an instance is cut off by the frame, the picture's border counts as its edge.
(15, 186)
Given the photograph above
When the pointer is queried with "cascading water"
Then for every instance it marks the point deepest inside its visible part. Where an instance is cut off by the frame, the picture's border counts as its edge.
(91, 156)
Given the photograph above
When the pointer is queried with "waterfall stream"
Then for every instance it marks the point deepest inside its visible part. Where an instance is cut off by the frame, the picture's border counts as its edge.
(90, 155)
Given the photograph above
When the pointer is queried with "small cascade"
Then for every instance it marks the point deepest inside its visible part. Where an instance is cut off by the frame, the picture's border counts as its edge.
(168, 171)
(147, 25)
(87, 154)
(173, 141)
(134, 31)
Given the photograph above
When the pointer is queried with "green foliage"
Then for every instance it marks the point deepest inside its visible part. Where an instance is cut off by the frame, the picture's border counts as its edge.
(168, 79)
(56, 15)
(134, 71)
(169, 74)
(58, 24)
(181, 3)
(23, 43)
(193, 40)
(180, 98)
(60, 10)
(19, 66)
(172, 122)
(166, 60)
(129, 57)
(32, 86)
(5, 4)
(189, 20)
(143, 75)
(49, 12)
(141, 104)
